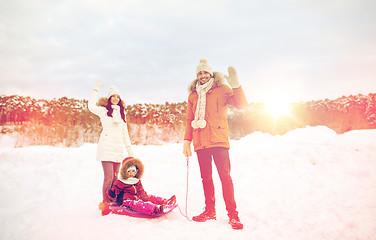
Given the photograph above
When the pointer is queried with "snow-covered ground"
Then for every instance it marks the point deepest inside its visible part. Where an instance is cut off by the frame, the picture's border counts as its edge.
(307, 184)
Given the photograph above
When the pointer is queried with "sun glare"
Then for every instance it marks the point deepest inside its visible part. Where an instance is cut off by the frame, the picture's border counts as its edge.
(277, 108)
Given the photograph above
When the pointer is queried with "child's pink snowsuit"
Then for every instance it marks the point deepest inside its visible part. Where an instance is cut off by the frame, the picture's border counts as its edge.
(149, 207)
(135, 197)
(131, 194)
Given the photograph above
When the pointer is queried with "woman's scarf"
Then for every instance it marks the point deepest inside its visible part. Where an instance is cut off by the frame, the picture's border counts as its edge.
(199, 121)
(116, 117)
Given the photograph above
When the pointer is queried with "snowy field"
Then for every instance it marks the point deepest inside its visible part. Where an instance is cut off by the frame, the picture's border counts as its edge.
(309, 184)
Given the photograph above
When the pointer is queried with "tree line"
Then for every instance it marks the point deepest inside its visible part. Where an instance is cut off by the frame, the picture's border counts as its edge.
(68, 122)
(343, 114)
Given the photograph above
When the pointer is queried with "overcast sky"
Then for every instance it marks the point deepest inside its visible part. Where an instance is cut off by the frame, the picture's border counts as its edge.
(149, 49)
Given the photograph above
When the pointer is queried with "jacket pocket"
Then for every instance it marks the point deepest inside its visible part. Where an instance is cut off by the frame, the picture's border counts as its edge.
(218, 131)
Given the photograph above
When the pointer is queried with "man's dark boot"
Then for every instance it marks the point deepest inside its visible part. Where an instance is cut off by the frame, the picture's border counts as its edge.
(208, 214)
(234, 221)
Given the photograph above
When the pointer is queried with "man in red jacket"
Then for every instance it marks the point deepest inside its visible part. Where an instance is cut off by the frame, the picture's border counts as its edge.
(207, 127)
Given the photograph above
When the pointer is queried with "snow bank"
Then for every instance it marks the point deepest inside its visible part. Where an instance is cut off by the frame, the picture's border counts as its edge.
(308, 184)
(6, 141)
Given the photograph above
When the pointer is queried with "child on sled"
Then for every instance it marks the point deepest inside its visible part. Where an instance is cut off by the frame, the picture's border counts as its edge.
(127, 191)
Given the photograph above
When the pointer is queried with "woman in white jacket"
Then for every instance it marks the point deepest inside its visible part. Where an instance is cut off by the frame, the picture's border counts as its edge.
(114, 135)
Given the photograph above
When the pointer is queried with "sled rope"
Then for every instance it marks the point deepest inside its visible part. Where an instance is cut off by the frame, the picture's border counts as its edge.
(186, 195)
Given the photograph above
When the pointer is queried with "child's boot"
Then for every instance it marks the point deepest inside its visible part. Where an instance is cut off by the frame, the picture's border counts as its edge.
(105, 208)
(172, 200)
(159, 209)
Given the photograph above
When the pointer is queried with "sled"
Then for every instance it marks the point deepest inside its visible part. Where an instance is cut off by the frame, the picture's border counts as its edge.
(129, 212)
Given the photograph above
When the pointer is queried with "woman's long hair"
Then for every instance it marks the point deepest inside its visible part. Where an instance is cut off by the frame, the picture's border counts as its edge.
(110, 110)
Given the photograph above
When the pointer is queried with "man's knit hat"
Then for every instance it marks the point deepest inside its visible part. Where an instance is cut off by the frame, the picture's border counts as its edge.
(112, 91)
(204, 66)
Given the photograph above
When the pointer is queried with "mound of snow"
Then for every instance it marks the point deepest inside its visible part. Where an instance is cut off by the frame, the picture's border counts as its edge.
(308, 184)
(6, 140)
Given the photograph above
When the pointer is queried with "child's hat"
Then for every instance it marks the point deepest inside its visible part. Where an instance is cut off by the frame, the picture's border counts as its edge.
(132, 168)
(130, 162)
(126, 159)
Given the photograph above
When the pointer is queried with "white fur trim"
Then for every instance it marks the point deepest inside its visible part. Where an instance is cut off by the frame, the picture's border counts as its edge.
(131, 180)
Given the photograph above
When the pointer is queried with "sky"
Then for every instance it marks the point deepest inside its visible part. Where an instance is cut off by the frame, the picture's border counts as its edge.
(290, 50)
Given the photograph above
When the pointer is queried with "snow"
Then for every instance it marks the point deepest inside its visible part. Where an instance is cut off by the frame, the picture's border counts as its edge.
(307, 184)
